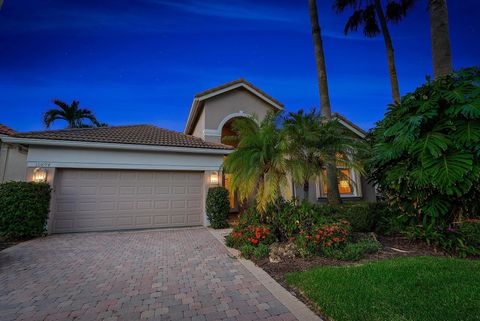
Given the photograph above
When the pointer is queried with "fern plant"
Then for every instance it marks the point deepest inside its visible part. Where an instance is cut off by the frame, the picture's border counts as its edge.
(426, 151)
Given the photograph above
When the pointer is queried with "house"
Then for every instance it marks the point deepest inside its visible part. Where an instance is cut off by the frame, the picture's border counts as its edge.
(142, 176)
(13, 158)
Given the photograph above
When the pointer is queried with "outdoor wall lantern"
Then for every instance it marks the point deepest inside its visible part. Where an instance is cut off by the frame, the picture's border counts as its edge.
(214, 178)
(39, 175)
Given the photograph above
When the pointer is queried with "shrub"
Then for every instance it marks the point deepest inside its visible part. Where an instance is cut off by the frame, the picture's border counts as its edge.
(288, 218)
(321, 237)
(218, 207)
(24, 208)
(448, 238)
(354, 251)
(261, 251)
(388, 220)
(254, 235)
(363, 217)
(470, 230)
(247, 250)
(426, 151)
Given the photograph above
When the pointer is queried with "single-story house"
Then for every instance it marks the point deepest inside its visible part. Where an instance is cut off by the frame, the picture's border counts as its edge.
(142, 176)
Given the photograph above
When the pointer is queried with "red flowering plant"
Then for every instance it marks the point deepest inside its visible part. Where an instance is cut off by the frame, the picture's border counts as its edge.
(253, 234)
(323, 237)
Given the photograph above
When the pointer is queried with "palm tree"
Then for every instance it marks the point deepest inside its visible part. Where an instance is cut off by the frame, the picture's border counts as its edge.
(302, 131)
(370, 14)
(333, 196)
(440, 38)
(258, 165)
(310, 142)
(73, 115)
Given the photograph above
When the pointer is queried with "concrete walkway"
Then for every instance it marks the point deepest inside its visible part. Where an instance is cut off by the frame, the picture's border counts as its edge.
(177, 274)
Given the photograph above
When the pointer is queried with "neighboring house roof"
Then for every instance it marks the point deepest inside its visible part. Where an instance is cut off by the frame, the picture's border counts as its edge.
(5, 130)
(344, 121)
(134, 134)
(197, 103)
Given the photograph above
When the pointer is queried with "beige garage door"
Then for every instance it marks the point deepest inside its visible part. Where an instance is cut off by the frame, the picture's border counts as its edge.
(98, 200)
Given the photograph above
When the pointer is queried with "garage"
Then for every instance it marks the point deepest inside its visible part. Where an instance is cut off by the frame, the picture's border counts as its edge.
(102, 199)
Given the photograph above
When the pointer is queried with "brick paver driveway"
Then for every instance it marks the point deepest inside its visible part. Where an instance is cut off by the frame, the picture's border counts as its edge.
(183, 274)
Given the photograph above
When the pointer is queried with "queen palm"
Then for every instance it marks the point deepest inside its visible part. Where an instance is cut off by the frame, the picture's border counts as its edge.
(72, 114)
(440, 38)
(258, 166)
(333, 195)
(310, 142)
(370, 15)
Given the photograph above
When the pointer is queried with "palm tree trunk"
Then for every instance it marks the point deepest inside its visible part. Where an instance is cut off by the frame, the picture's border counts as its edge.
(333, 196)
(320, 61)
(392, 69)
(306, 190)
(440, 38)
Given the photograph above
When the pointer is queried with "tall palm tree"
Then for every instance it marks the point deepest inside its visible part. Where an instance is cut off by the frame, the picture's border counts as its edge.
(72, 114)
(333, 195)
(258, 165)
(371, 16)
(440, 38)
(310, 142)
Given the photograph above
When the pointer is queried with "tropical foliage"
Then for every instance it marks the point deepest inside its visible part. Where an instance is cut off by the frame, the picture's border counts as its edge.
(72, 114)
(298, 145)
(258, 165)
(426, 151)
(311, 143)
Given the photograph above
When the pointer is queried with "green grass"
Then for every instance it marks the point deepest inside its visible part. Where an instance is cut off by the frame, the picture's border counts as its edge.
(417, 288)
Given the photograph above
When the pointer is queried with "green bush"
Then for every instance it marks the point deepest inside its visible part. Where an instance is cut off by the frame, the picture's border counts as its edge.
(363, 217)
(261, 251)
(289, 218)
(470, 230)
(218, 207)
(426, 151)
(450, 239)
(24, 209)
(388, 220)
(247, 250)
(354, 251)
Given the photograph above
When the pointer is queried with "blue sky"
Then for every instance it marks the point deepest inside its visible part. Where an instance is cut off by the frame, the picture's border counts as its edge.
(141, 61)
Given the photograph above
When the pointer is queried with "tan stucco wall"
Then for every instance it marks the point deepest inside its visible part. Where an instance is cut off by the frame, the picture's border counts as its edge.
(13, 163)
(219, 107)
(200, 126)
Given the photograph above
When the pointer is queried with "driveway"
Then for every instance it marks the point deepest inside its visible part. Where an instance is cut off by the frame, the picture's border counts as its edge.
(181, 274)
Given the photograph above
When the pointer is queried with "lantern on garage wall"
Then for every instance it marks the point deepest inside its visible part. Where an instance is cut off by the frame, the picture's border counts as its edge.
(214, 178)
(39, 175)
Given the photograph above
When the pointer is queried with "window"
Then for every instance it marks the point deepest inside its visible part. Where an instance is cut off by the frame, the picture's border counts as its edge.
(347, 184)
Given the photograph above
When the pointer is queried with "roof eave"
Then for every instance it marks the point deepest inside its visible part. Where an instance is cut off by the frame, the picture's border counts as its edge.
(99, 145)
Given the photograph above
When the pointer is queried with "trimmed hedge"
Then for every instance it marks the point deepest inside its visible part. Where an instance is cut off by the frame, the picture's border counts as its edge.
(218, 207)
(24, 208)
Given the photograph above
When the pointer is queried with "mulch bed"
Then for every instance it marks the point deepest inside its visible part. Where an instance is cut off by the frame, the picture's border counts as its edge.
(395, 246)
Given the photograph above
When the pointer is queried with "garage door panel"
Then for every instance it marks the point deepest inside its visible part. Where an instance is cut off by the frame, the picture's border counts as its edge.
(90, 200)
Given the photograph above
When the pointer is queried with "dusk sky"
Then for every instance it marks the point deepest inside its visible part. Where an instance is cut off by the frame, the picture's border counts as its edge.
(142, 61)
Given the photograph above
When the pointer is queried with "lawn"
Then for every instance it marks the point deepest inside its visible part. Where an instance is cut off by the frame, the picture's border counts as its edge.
(415, 288)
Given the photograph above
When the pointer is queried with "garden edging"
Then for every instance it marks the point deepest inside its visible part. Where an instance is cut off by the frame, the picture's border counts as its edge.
(296, 307)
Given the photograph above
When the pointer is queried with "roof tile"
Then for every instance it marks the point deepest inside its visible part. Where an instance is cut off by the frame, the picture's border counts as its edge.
(135, 134)
(5, 130)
